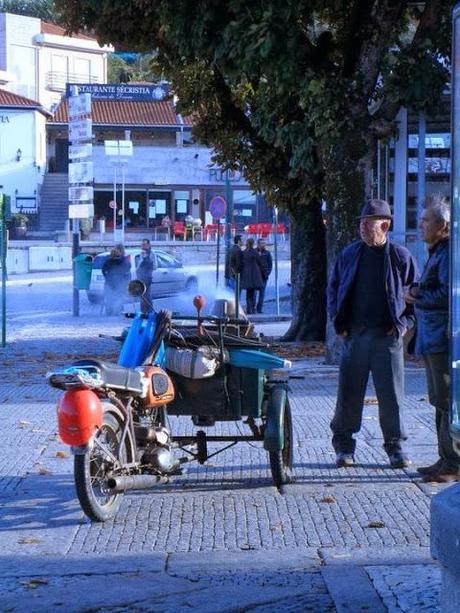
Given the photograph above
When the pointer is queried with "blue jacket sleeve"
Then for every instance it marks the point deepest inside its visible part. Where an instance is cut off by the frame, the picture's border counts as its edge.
(332, 289)
(438, 298)
(411, 276)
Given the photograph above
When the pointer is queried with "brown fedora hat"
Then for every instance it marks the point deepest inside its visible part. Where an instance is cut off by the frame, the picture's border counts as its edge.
(379, 209)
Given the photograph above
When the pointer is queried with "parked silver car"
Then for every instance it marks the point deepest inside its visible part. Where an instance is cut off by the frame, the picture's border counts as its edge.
(169, 276)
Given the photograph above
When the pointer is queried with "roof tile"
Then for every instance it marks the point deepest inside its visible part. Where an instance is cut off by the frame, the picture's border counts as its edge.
(52, 28)
(125, 113)
(15, 100)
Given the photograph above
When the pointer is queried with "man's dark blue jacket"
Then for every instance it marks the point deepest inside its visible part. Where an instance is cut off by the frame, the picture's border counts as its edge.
(432, 304)
(400, 272)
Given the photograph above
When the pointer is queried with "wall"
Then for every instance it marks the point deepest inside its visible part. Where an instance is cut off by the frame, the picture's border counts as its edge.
(59, 65)
(29, 56)
(188, 166)
(24, 130)
(21, 54)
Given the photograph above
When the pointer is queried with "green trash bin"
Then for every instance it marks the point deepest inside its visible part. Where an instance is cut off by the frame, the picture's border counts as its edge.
(83, 267)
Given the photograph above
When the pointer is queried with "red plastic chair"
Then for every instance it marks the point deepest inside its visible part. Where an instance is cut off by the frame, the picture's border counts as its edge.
(179, 229)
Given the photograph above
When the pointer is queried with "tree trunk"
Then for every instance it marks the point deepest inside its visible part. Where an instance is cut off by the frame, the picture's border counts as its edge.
(348, 187)
(308, 274)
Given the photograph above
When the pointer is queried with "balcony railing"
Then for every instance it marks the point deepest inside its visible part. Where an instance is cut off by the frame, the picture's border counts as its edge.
(57, 80)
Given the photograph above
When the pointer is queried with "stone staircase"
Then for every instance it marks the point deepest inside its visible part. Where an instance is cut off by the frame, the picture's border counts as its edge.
(54, 202)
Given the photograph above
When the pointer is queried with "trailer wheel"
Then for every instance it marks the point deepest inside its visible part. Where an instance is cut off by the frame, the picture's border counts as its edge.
(281, 461)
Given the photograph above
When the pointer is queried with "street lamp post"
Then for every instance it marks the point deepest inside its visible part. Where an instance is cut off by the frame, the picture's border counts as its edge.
(119, 151)
(275, 243)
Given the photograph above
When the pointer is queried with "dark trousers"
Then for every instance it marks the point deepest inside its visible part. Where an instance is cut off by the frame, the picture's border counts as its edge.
(438, 380)
(260, 298)
(146, 299)
(370, 351)
(251, 300)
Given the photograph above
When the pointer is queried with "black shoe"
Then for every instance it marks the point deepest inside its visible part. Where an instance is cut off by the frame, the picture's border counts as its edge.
(433, 468)
(344, 460)
(398, 460)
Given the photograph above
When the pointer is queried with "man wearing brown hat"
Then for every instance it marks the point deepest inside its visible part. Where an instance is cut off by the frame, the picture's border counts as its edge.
(367, 306)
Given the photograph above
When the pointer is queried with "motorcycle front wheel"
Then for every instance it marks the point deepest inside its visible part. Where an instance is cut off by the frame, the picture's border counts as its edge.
(92, 470)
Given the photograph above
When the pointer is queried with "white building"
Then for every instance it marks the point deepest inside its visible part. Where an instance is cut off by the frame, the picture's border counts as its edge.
(22, 149)
(37, 59)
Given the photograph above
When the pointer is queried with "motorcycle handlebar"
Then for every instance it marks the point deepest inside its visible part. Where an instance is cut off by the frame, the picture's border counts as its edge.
(178, 317)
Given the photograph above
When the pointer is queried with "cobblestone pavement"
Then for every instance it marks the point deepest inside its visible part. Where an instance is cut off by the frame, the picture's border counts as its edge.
(221, 537)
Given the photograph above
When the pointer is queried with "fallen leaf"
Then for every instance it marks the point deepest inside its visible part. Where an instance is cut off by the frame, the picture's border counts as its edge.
(371, 400)
(376, 524)
(24, 424)
(29, 540)
(34, 583)
(62, 454)
(43, 471)
(328, 499)
(278, 526)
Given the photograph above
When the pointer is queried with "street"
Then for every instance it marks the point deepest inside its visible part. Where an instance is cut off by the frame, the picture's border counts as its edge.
(220, 526)
(51, 293)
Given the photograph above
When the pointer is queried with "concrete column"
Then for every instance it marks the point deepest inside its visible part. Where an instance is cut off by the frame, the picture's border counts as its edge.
(400, 179)
(445, 545)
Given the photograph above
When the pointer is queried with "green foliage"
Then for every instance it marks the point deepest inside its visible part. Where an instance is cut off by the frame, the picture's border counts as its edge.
(277, 87)
(43, 9)
(144, 69)
(19, 220)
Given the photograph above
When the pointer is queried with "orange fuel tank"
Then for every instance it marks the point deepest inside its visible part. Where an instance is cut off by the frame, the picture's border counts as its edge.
(80, 414)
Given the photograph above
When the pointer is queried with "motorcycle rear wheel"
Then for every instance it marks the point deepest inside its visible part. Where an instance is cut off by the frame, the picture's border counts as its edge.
(92, 469)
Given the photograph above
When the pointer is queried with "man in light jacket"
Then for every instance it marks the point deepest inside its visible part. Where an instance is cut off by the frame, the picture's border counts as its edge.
(431, 299)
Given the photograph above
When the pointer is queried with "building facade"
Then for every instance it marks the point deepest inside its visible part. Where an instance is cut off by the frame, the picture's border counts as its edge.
(23, 153)
(37, 59)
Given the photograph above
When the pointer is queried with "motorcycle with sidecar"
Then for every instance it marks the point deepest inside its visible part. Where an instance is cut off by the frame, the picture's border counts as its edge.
(115, 416)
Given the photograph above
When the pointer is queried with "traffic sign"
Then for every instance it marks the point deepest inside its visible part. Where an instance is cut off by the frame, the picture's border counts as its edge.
(112, 204)
(217, 207)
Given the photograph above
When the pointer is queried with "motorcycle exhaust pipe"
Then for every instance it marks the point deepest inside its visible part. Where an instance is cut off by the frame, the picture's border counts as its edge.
(134, 482)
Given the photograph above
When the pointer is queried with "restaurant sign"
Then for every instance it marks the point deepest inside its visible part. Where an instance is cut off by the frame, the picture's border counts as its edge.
(122, 91)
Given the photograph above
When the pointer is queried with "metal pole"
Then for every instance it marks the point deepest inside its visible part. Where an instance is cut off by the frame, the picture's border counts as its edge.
(122, 203)
(218, 253)
(3, 240)
(75, 252)
(379, 163)
(115, 204)
(420, 183)
(229, 211)
(275, 241)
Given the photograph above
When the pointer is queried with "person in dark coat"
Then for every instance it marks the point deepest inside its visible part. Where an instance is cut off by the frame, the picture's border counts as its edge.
(144, 272)
(116, 271)
(366, 302)
(431, 299)
(233, 261)
(267, 265)
(251, 275)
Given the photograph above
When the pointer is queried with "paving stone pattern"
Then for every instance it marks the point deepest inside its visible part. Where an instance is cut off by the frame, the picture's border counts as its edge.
(229, 504)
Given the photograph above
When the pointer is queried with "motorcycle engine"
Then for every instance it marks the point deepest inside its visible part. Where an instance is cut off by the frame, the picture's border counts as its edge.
(159, 454)
(161, 459)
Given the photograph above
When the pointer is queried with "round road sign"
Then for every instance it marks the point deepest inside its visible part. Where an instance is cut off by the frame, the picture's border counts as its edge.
(217, 207)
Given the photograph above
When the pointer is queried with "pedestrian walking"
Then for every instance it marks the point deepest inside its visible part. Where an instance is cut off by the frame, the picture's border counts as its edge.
(251, 275)
(233, 262)
(145, 244)
(116, 271)
(267, 265)
(366, 302)
(431, 300)
(144, 272)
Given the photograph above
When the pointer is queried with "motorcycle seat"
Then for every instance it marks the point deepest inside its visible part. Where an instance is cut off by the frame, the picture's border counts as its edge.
(114, 375)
